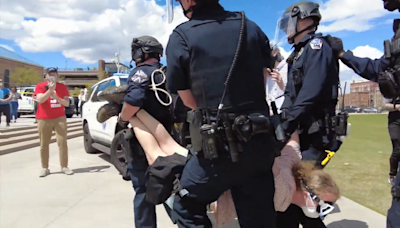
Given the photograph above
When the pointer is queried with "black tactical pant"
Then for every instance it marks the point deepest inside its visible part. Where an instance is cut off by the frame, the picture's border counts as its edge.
(394, 132)
(5, 109)
(250, 181)
(393, 217)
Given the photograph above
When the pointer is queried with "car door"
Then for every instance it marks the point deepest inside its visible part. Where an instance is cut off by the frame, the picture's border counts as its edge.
(110, 124)
(25, 104)
(92, 108)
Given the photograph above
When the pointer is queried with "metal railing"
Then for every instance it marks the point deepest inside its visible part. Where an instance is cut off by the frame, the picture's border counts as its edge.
(79, 69)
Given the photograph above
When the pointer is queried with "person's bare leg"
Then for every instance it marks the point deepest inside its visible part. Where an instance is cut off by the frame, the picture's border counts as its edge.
(146, 140)
(164, 139)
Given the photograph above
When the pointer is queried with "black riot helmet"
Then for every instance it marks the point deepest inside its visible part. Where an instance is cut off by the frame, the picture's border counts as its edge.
(392, 5)
(146, 45)
(300, 10)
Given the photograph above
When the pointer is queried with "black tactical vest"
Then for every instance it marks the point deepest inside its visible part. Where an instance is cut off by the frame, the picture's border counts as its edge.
(212, 38)
(389, 80)
(329, 96)
(151, 104)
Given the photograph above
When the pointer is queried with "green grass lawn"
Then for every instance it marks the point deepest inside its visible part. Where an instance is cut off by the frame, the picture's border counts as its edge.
(361, 166)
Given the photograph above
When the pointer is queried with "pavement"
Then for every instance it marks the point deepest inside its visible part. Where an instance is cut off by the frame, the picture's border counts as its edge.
(26, 121)
(96, 195)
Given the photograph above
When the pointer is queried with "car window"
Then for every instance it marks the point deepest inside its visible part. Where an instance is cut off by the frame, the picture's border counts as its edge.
(124, 81)
(28, 92)
(112, 83)
(102, 86)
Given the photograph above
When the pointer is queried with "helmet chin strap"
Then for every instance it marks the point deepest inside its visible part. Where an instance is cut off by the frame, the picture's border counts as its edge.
(291, 40)
(189, 10)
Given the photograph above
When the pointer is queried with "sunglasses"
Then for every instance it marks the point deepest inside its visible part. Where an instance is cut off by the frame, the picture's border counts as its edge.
(323, 208)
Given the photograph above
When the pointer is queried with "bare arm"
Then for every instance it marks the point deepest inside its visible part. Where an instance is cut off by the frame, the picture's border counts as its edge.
(391, 107)
(42, 97)
(188, 98)
(8, 98)
(128, 111)
(63, 101)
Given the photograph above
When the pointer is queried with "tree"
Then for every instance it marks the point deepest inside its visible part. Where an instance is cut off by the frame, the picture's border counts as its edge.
(75, 92)
(89, 88)
(25, 76)
(103, 75)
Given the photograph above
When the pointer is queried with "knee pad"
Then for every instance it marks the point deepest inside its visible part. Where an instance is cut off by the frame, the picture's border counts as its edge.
(163, 176)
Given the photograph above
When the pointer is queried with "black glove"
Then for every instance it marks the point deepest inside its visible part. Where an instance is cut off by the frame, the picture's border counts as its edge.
(336, 45)
(123, 124)
(285, 114)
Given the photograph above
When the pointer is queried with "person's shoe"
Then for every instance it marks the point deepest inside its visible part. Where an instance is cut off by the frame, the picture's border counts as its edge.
(8, 124)
(67, 171)
(391, 180)
(44, 172)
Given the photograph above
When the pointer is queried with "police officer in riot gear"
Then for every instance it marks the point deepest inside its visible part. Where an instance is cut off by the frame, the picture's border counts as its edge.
(312, 89)
(146, 52)
(216, 62)
(372, 70)
(311, 95)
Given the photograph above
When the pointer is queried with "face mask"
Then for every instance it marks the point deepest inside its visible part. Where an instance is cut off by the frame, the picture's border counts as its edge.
(52, 79)
(310, 211)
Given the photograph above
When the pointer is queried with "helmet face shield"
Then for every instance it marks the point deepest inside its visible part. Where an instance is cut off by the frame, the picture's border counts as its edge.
(170, 10)
(286, 28)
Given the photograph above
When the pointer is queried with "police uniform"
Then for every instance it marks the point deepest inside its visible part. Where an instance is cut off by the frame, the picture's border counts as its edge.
(393, 218)
(365, 67)
(199, 56)
(311, 95)
(369, 69)
(140, 95)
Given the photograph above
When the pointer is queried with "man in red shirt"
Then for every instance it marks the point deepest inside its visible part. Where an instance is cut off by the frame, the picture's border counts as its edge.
(52, 98)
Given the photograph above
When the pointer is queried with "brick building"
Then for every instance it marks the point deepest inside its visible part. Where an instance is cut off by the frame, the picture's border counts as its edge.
(364, 94)
(10, 61)
(80, 77)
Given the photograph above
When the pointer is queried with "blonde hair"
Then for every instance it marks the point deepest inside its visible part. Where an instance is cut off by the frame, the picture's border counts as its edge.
(315, 178)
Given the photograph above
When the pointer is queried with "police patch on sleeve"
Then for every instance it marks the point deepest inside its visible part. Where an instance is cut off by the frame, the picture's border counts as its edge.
(316, 44)
(139, 77)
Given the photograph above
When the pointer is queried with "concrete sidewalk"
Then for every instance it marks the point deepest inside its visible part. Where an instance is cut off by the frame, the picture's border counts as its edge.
(96, 196)
(26, 121)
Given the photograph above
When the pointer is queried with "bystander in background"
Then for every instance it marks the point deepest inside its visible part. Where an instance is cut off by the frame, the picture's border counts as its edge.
(14, 103)
(82, 100)
(276, 79)
(5, 97)
(52, 97)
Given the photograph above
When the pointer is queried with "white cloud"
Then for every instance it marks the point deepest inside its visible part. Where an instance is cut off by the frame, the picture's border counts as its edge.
(7, 47)
(350, 15)
(347, 74)
(84, 30)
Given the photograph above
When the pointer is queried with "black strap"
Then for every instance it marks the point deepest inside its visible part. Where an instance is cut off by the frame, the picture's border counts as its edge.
(234, 62)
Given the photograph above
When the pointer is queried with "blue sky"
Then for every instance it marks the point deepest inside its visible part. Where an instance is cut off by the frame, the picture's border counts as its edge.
(264, 13)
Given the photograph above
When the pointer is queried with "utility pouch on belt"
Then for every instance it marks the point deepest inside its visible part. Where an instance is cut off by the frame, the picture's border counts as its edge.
(209, 141)
(247, 126)
(125, 139)
(234, 147)
(340, 122)
(195, 119)
(396, 191)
